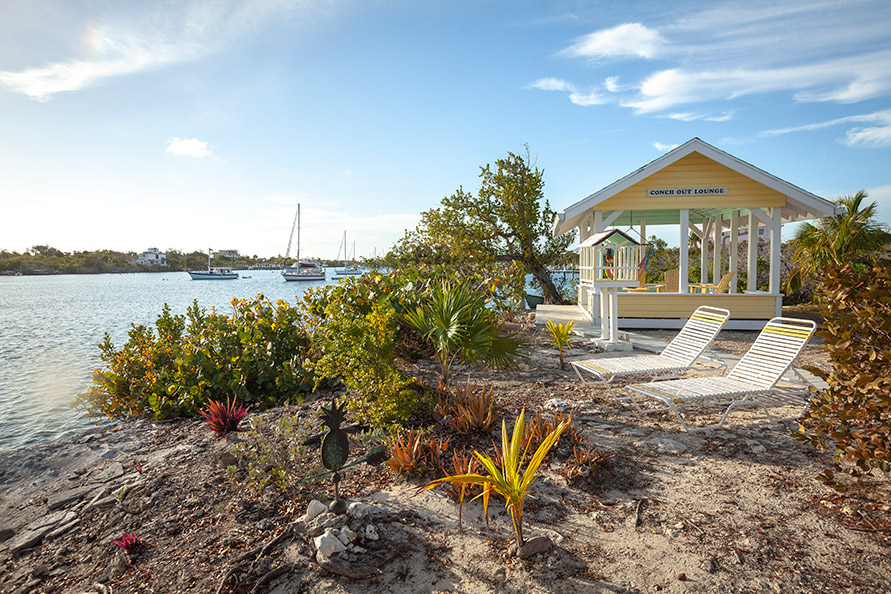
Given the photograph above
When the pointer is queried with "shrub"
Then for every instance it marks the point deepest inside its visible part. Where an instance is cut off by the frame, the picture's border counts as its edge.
(407, 452)
(540, 427)
(354, 342)
(275, 456)
(853, 416)
(255, 355)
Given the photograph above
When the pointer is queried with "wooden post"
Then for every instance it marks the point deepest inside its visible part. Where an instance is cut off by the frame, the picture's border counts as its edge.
(775, 244)
(717, 265)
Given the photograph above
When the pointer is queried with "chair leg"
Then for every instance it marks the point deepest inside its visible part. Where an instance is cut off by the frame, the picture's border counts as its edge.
(598, 376)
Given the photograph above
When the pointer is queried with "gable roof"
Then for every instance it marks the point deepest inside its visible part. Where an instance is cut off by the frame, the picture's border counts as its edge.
(801, 205)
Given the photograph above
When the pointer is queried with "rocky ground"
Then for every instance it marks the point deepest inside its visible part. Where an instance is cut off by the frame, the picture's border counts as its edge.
(734, 510)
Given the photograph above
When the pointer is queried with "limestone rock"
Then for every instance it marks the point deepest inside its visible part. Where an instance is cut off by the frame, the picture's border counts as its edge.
(539, 544)
(328, 544)
(357, 510)
(313, 510)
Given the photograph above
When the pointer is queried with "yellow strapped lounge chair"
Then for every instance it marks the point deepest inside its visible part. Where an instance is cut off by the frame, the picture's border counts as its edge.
(752, 382)
(681, 353)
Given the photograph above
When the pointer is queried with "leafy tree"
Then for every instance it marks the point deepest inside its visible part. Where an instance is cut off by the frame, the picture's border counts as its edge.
(507, 221)
(852, 237)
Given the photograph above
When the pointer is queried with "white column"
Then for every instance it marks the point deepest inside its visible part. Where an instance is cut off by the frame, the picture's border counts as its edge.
(775, 243)
(604, 312)
(613, 315)
(734, 247)
(684, 251)
(752, 256)
(717, 268)
(703, 252)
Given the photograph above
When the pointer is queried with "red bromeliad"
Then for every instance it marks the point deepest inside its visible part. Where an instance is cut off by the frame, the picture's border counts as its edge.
(128, 541)
(223, 418)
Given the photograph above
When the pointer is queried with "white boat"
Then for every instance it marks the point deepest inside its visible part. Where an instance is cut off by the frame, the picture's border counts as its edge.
(347, 269)
(213, 273)
(301, 271)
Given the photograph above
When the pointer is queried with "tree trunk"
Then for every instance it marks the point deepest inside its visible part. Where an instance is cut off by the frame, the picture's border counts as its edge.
(548, 289)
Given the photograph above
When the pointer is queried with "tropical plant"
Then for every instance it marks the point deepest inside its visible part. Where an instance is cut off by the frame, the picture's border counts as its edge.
(583, 462)
(456, 322)
(223, 418)
(539, 427)
(853, 415)
(128, 541)
(505, 475)
(561, 336)
(462, 463)
(407, 452)
(853, 236)
(470, 408)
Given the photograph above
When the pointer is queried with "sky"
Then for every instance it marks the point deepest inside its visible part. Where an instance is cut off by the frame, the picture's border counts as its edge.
(202, 124)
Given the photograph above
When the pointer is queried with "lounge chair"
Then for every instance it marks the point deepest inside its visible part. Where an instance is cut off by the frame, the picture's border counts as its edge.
(723, 285)
(680, 354)
(752, 382)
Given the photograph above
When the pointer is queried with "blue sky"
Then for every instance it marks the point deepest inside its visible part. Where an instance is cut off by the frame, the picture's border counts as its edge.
(197, 124)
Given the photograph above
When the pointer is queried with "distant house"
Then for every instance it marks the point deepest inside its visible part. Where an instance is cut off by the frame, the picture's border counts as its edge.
(151, 257)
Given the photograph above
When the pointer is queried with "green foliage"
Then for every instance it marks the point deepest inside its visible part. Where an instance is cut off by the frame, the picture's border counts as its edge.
(354, 327)
(459, 326)
(853, 416)
(256, 355)
(505, 475)
(507, 222)
(470, 408)
(852, 237)
(561, 336)
(275, 456)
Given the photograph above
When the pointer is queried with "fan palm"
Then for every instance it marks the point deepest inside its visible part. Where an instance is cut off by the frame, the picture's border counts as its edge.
(456, 321)
(852, 236)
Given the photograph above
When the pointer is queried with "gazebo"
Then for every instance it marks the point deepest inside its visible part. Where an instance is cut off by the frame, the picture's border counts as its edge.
(707, 191)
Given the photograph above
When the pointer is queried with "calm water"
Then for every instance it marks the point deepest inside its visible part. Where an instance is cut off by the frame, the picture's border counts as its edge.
(50, 327)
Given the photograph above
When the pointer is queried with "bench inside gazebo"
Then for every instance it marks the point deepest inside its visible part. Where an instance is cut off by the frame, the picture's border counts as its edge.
(699, 189)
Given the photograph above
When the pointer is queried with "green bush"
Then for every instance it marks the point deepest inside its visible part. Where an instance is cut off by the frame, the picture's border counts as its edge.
(853, 416)
(256, 356)
(354, 328)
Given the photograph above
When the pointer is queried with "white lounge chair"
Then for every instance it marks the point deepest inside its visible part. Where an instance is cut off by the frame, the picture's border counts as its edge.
(752, 382)
(681, 353)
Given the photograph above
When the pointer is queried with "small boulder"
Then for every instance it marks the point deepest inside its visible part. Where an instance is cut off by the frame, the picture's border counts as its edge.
(313, 510)
(371, 532)
(539, 544)
(328, 544)
(357, 510)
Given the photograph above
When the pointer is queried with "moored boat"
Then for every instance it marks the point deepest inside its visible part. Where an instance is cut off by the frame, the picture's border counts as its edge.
(301, 271)
(213, 273)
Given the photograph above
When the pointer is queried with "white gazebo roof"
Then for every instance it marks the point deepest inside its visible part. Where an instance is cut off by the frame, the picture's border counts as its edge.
(800, 205)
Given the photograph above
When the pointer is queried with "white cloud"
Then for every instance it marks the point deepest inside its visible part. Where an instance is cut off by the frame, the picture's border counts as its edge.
(136, 37)
(662, 148)
(725, 116)
(187, 147)
(686, 116)
(582, 98)
(837, 54)
(628, 39)
(877, 136)
(552, 84)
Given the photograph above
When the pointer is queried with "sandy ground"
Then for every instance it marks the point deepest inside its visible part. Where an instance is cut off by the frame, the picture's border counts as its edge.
(734, 510)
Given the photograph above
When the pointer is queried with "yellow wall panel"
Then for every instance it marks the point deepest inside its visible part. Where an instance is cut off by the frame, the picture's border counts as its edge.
(673, 305)
(696, 171)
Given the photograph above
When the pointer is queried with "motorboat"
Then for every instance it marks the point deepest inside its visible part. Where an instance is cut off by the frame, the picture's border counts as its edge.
(213, 273)
(301, 271)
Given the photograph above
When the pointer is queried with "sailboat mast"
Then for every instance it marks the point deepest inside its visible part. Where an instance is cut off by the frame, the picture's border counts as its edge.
(291, 237)
(298, 237)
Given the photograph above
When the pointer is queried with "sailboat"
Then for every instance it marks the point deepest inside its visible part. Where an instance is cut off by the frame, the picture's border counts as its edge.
(301, 271)
(347, 269)
(213, 273)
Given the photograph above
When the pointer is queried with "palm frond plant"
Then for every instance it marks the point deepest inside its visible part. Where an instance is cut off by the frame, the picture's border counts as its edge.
(504, 474)
(456, 321)
(561, 335)
(851, 237)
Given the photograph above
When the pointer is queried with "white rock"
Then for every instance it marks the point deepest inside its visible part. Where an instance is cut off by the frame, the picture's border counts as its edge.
(328, 544)
(357, 510)
(346, 535)
(371, 532)
(313, 510)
